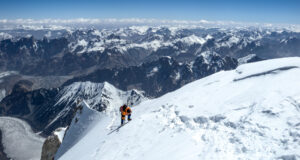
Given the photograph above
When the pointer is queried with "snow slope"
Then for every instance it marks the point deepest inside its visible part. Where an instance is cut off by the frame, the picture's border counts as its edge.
(19, 141)
(248, 113)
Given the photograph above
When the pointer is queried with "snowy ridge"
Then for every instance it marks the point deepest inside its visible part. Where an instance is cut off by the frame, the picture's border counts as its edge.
(82, 123)
(267, 67)
(216, 117)
(101, 96)
(152, 38)
(92, 91)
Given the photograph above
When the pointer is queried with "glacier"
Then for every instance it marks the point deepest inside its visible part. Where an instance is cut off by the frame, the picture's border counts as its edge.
(248, 113)
(19, 141)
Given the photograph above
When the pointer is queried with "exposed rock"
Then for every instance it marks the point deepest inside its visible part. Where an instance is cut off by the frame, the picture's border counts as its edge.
(52, 144)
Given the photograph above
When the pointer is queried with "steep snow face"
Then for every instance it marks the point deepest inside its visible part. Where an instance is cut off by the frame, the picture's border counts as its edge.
(82, 123)
(248, 113)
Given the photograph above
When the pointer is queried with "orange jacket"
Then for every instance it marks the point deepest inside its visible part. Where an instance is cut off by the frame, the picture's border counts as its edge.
(125, 112)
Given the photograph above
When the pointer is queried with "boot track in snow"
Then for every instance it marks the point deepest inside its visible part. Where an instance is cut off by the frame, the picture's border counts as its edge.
(117, 129)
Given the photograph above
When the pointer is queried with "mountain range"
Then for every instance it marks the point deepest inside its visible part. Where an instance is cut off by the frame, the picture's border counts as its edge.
(189, 79)
(74, 52)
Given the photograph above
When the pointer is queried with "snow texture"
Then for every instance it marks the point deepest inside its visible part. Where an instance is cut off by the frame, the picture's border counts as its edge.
(60, 132)
(248, 113)
(19, 141)
(245, 59)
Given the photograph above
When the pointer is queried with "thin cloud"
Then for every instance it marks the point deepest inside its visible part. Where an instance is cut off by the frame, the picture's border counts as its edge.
(86, 22)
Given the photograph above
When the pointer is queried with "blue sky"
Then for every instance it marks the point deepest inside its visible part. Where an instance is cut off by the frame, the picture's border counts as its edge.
(262, 11)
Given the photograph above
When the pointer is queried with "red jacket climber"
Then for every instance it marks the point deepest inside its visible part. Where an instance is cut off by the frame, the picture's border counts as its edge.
(125, 110)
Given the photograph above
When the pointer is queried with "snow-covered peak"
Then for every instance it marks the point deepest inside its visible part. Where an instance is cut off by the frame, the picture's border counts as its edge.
(101, 96)
(4, 35)
(222, 116)
(83, 121)
(190, 40)
(80, 89)
(139, 29)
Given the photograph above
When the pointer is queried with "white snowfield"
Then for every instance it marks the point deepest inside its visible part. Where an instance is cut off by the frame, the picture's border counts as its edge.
(252, 112)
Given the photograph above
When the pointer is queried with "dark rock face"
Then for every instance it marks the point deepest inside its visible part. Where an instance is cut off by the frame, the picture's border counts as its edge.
(51, 145)
(31, 106)
(22, 86)
(53, 57)
(159, 77)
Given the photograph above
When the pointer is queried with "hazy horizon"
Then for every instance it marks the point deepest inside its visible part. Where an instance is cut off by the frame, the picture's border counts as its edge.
(246, 11)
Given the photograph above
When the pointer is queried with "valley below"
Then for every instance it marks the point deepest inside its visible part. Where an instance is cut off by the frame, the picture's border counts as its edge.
(19, 141)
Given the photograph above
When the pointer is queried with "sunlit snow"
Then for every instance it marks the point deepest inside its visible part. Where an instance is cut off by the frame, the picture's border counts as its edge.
(248, 113)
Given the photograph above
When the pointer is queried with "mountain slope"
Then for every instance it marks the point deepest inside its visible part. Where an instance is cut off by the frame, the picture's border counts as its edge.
(82, 50)
(249, 113)
(160, 76)
(48, 109)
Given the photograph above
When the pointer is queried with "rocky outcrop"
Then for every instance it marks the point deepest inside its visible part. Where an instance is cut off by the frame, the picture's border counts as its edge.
(52, 144)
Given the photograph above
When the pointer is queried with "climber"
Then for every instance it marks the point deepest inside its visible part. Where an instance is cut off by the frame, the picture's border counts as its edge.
(125, 110)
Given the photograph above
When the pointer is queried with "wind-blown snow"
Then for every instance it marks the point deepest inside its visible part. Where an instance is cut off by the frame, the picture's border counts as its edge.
(19, 141)
(60, 132)
(248, 113)
(245, 59)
